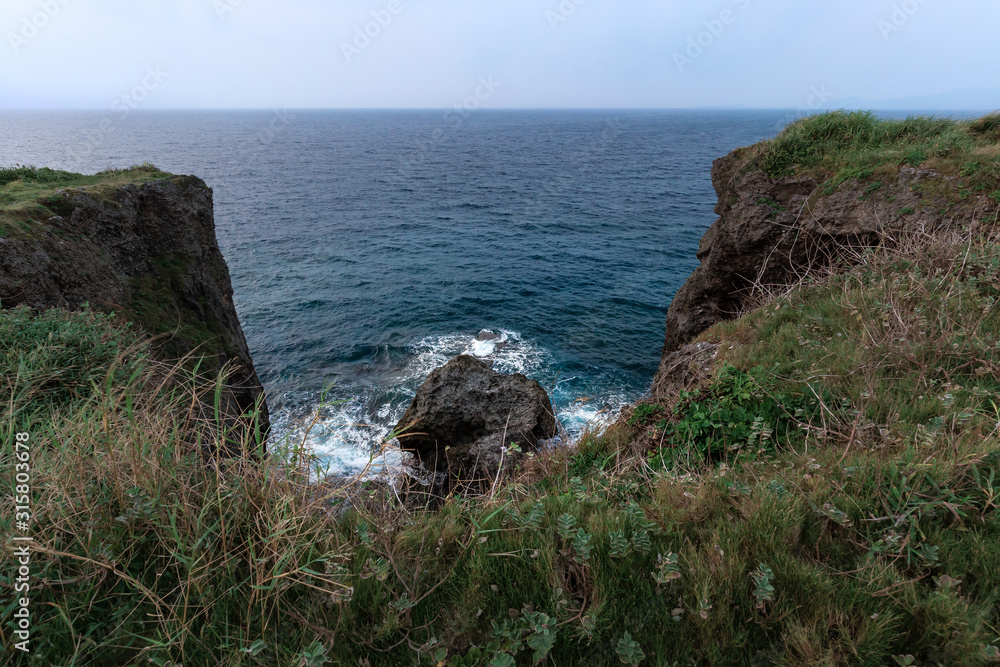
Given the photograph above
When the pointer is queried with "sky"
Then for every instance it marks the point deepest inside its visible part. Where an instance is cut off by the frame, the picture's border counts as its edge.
(76, 54)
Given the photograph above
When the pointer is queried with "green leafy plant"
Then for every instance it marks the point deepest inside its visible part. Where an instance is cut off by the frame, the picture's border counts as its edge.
(256, 648)
(402, 603)
(667, 569)
(472, 658)
(763, 588)
(533, 519)
(313, 656)
(830, 511)
(503, 660)
(736, 414)
(912, 500)
(629, 651)
(567, 522)
(643, 413)
(543, 634)
(509, 635)
(363, 534)
(534, 628)
(375, 567)
(580, 491)
(641, 541)
(634, 515)
(620, 545)
(582, 544)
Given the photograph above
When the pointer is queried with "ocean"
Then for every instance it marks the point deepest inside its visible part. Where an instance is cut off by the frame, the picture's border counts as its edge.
(369, 247)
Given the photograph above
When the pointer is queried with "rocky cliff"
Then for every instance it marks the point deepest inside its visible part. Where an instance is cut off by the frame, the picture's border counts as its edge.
(140, 243)
(773, 230)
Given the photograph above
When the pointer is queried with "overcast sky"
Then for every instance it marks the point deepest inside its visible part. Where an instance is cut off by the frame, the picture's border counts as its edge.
(511, 53)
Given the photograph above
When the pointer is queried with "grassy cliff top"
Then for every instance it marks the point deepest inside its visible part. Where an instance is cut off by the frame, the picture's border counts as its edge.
(829, 495)
(842, 145)
(37, 206)
(27, 194)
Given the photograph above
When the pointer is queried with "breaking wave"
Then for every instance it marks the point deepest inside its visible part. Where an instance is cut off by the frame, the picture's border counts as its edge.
(347, 428)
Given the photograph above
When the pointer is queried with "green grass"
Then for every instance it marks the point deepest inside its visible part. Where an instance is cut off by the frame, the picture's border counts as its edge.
(29, 200)
(58, 359)
(740, 414)
(867, 528)
(841, 146)
(912, 336)
(830, 496)
(28, 196)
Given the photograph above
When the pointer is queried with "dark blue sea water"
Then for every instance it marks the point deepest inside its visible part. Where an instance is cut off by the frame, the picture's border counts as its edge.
(367, 248)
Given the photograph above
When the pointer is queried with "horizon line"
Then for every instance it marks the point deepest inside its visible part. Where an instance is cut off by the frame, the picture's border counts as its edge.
(722, 107)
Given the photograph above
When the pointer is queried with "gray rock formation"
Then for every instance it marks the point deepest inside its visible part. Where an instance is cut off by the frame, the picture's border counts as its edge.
(148, 252)
(684, 369)
(772, 230)
(466, 412)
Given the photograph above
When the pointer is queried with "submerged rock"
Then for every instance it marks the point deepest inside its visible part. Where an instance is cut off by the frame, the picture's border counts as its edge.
(466, 412)
(487, 343)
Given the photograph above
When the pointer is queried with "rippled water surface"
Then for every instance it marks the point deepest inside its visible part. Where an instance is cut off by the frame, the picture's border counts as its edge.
(367, 248)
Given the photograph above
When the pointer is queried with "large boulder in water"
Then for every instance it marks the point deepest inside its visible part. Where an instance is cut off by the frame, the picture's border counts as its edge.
(465, 413)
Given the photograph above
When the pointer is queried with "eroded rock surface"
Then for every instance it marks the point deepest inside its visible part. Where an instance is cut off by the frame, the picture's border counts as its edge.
(466, 412)
(770, 231)
(147, 251)
(684, 369)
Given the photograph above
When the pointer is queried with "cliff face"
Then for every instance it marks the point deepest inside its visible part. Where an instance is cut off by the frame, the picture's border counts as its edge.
(146, 250)
(771, 230)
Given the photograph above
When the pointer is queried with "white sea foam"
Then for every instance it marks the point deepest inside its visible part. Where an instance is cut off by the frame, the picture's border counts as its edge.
(486, 348)
(509, 353)
(344, 431)
(340, 437)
